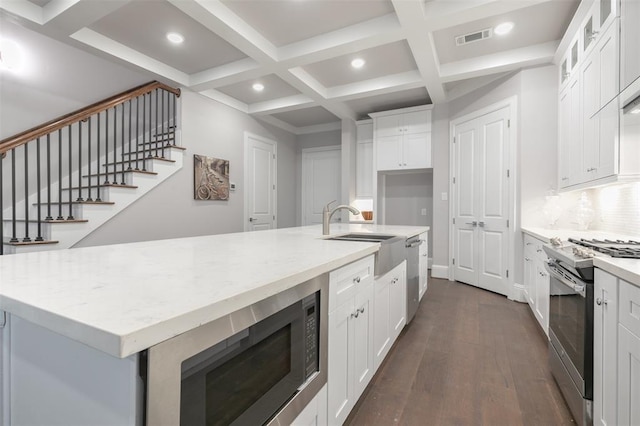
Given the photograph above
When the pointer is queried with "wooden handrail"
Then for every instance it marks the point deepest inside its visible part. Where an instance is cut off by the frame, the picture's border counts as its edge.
(81, 114)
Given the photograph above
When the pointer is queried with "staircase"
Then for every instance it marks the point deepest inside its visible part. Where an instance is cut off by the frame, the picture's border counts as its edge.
(62, 180)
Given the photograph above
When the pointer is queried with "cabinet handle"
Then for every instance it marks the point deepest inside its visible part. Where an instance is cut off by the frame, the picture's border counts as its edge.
(593, 35)
(361, 310)
(424, 255)
(356, 280)
(527, 259)
(404, 164)
(539, 250)
(600, 301)
(355, 314)
(565, 178)
(399, 164)
(592, 169)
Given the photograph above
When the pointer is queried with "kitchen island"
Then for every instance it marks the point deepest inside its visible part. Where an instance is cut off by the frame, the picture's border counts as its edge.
(119, 300)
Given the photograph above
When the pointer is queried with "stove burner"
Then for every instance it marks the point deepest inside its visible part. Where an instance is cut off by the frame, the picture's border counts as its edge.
(618, 248)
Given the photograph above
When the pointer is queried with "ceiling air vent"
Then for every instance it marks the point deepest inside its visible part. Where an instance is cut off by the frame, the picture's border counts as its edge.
(471, 37)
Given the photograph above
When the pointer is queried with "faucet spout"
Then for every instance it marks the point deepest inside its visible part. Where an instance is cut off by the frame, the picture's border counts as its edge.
(327, 213)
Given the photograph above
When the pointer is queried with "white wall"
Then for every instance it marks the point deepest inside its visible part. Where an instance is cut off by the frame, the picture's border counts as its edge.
(59, 79)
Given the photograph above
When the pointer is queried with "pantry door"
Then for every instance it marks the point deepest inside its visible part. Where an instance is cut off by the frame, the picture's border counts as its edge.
(481, 200)
(260, 183)
(321, 180)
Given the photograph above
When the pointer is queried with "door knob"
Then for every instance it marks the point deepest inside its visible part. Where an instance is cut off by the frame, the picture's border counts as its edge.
(474, 223)
(481, 224)
(251, 219)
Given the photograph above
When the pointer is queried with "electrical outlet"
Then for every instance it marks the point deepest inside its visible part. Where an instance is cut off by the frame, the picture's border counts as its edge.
(423, 212)
(444, 196)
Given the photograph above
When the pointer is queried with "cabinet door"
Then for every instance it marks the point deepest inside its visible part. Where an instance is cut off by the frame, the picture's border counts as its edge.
(542, 296)
(628, 377)
(417, 122)
(605, 344)
(389, 153)
(416, 151)
(607, 50)
(608, 141)
(423, 264)
(529, 280)
(574, 154)
(388, 125)
(381, 330)
(629, 42)
(590, 86)
(364, 170)
(363, 367)
(398, 302)
(340, 364)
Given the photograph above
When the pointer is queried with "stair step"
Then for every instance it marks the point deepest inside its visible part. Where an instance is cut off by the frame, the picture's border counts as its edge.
(78, 202)
(102, 185)
(146, 172)
(127, 162)
(28, 243)
(152, 149)
(51, 220)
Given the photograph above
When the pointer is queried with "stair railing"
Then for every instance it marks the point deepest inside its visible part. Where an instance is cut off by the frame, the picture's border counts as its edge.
(94, 147)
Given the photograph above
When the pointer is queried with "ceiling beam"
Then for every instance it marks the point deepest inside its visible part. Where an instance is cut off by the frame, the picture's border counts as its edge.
(376, 86)
(285, 104)
(226, 99)
(24, 9)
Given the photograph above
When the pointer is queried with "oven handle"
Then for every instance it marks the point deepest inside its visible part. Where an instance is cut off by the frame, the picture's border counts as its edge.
(550, 266)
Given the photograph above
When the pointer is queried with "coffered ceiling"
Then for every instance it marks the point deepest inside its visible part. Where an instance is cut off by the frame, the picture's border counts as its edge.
(301, 50)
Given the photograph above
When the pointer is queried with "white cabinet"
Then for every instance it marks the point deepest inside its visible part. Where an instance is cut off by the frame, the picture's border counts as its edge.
(390, 307)
(350, 337)
(402, 138)
(536, 280)
(364, 159)
(570, 134)
(629, 42)
(616, 347)
(315, 413)
(423, 264)
(605, 337)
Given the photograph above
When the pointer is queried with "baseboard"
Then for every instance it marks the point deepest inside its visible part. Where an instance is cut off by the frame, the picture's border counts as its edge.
(440, 271)
(517, 293)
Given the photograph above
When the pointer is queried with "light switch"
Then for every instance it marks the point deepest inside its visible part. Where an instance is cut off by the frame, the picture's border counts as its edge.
(423, 212)
(444, 196)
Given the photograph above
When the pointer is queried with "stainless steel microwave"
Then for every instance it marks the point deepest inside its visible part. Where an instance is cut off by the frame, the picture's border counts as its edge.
(259, 365)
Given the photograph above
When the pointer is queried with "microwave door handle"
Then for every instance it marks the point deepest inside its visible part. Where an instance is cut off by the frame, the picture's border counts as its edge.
(575, 287)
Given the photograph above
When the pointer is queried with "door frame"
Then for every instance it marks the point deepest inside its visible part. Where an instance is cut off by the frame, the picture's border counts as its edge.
(274, 194)
(303, 166)
(512, 103)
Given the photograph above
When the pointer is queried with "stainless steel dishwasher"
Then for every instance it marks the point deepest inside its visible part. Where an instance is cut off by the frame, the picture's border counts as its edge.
(413, 276)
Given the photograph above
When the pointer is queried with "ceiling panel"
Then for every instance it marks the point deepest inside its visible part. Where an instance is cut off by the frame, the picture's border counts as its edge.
(41, 3)
(143, 25)
(307, 117)
(533, 25)
(274, 88)
(392, 58)
(287, 21)
(402, 99)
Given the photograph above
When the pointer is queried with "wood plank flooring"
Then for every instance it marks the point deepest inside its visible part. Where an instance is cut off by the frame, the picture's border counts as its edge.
(469, 357)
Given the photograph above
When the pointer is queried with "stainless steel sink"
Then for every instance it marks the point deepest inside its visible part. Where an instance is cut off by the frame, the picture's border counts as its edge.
(391, 253)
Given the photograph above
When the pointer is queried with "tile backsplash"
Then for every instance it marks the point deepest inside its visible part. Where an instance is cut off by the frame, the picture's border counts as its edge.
(617, 209)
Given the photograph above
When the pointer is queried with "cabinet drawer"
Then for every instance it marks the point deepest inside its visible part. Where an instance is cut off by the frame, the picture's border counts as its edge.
(630, 307)
(533, 248)
(345, 282)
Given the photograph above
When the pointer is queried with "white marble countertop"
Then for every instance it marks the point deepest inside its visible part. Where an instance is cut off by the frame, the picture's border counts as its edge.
(627, 269)
(125, 298)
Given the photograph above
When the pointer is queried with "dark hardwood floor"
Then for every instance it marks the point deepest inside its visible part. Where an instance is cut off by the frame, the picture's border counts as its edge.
(469, 357)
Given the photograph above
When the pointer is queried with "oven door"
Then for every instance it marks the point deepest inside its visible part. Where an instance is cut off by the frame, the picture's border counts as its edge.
(571, 325)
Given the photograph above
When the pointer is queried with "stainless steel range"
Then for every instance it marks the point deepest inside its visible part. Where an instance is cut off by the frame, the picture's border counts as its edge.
(570, 267)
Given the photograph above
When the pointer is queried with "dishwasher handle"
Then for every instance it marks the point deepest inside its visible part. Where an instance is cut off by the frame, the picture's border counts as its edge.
(414, 243)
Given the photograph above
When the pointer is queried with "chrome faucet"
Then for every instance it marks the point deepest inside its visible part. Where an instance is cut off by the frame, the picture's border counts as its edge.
(327, 212)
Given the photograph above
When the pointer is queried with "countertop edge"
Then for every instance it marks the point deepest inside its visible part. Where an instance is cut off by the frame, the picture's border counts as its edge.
(625, 269)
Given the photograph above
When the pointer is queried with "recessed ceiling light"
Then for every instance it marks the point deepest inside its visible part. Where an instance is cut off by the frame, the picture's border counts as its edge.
(504, 28)
(357, 63)
(258, 87)
(10, 55)
(175, 38)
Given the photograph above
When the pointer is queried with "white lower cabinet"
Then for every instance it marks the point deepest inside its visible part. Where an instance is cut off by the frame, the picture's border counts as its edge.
(350, 333)
(616, 344)
(315, 413)
(536, 280)
(423, 264)
(390, 307)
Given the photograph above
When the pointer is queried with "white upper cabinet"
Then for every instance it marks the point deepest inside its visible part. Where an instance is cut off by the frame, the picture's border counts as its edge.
(629, 42)
(364, 159)
(402, 138)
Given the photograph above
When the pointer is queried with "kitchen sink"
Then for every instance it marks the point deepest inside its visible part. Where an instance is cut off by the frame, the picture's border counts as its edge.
(391, 253)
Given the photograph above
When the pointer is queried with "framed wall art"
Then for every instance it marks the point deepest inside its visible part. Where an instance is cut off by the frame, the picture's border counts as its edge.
(211, 178)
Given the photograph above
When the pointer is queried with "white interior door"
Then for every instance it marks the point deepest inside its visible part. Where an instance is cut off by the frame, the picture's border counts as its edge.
(321, 179)
(260, 183)
(481, 207)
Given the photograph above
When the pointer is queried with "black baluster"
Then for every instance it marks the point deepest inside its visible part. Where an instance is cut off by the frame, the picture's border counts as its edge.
(137, 132)
(122, 147)
(115, 145)
(60, 217)
(38, 189)
(49, 177)
(144, 132)
(79, 164)
(70, 203)
(89, 190)
(155, 127)
(130, 130)
(98, 162)
(26, 238)
(106, 148)
(14, 233)
(1, 206)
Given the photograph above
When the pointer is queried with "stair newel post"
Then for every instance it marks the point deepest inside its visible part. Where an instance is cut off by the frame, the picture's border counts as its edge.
(115, 145)
(175, 115)
(70, 152)
(79, 164)
(121, 144)
(106, 147)
(60, 217)
(89, 137)
(38, 191)
(49, 217)
(137, 133)
(98, 159)
(130, 129)
(144, 131)
(162, 132)
(155, 127)
(26, 238)
(14, 238)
